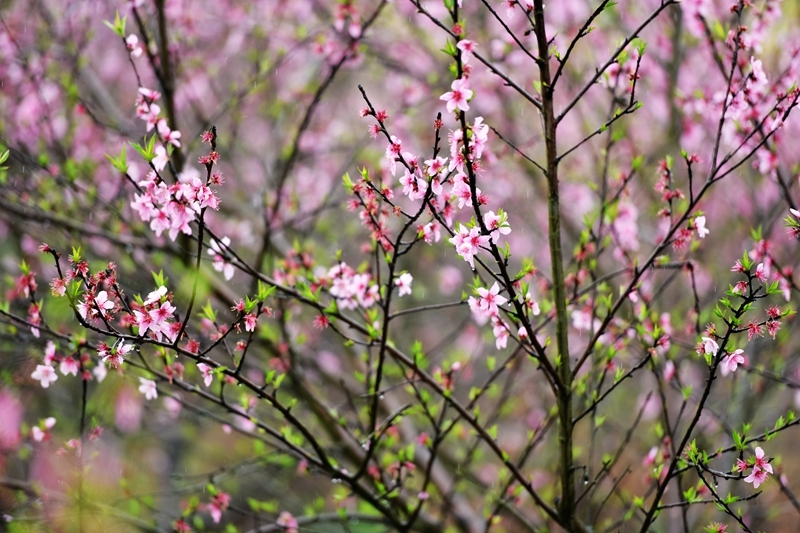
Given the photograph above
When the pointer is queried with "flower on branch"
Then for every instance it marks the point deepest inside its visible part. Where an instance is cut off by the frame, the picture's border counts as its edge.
(709, 346)
(468, 242)
(731, 362)
(761, 468)
(496, 224)
(207, 372)
(169, 136)
(132, 43)
(459, 95)
(490, 299)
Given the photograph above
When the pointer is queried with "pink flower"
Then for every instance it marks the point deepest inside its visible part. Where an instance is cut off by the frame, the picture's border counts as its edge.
(69, 366)
(731, 361)
(429, 232)
(501, 334)
(761, 468)
(490, 299)
(218, 504)
(288, 522)
(220, 265)
(761, 273)
(45, 374)
(468, 243)
(321, 322)
(403, 283)
(169, 136)
(156, 295)
(103, 303)
(392, 151)
(162, 313)
(250, 322)
(42, 431)
(497, 225)
(757, 477)
(772, 327)
(181, 526)
(530, 303)
(49, 353)
(208, 376)
(34, 317)
(650, 458)
(149, 113)
(754, 330)
(669, 370)
(144, 207)
(149, 94)
(132, 42)
(100, 372)
(148, 388)
(413, 187)
(760, 462)
(458, 96)
(58, 287)
(527, 5)
(467, 48)
(161, 159)
(143, 321)
(435, 166)
(180, 215)
(113, 357)
(462, 191)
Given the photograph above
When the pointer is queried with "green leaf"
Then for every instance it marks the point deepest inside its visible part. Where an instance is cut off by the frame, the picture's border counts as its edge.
(118, 26)
(348, 183)
(264, 291)
(120, 163)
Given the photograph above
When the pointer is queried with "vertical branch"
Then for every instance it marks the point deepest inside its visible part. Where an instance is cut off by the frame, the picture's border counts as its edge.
(564, 391)
(168, 80)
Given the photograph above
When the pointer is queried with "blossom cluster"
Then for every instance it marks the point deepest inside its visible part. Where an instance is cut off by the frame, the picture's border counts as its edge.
(172, 208)
(45, 373)
(352, 289)
(155, 316)
(760, 466)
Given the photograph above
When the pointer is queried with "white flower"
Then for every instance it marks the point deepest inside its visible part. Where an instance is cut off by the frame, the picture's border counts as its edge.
(45, 374)
(156, 295)
(148, 388)
(220, 265)
(100, 372)
(404, 283)
(710, 346)
(700, 226)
